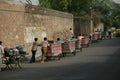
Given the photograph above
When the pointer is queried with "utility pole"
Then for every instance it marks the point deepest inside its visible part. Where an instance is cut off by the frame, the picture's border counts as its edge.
(91, 20)
(91, 17)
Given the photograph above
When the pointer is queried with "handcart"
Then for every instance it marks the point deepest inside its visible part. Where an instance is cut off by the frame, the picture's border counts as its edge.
(54, 51)
(68, 47)
(85, 41)
(78, 45)
(11, 59)
(95, 37)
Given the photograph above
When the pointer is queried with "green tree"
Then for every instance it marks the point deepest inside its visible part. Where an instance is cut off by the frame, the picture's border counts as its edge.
(105, 11)
(76, 7)
(45, 3)
(115, 16)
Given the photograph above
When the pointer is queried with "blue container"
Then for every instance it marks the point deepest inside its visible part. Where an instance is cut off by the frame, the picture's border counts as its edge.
(19, 47)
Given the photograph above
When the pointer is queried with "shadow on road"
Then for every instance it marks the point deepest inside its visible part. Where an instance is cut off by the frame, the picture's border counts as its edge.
(107, 43)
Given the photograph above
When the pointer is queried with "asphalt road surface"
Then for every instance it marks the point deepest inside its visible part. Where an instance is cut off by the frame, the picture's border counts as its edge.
(101, 61)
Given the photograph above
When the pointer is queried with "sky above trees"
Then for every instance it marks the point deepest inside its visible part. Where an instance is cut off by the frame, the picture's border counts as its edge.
(34, 2)
(117, 1)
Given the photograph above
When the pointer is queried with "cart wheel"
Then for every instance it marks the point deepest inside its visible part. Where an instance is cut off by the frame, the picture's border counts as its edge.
(74, 53)
(87, 45)
(80, 49)
(59, 57)
(22, 59)
(47, 58)
(63, 54)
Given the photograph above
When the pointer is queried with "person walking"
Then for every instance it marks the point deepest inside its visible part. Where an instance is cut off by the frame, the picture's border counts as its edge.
(71, 33)
(44, 44)
(1, 54)
(34, 50)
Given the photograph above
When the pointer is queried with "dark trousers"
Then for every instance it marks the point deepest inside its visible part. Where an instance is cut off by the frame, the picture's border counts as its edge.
(33, 57)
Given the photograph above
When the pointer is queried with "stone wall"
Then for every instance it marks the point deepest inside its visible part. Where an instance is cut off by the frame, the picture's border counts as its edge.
(11, 24)
(21, 23)
(51, 22)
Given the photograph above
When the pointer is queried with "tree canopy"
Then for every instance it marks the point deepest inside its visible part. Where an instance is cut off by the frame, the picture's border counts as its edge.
(105, 11)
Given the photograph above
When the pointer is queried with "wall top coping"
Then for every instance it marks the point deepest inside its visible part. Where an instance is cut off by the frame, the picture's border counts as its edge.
(45, 11)
(20, 7)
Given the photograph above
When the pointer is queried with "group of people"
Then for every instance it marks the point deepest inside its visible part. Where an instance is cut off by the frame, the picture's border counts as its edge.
(44, 44)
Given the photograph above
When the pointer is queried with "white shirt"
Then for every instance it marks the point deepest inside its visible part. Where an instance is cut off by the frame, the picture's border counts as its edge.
(44, 44)
(35, 45)
(1, 51)
(71, 33)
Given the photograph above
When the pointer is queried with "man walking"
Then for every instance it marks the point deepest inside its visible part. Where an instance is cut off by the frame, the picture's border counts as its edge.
(34, 49)
(44, 44)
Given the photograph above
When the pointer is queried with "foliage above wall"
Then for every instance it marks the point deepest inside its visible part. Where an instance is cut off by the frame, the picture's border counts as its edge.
(105, 11)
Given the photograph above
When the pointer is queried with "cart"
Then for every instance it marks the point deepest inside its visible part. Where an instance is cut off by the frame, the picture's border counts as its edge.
(95, 37)
(11, 59)
(68, 47)
(85, 42)
(54, 51)
(78, 45)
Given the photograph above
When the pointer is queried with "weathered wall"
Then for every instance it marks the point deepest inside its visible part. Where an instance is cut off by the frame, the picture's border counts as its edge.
(20, 24)
(42, 22)
(49, 21)
(11, 24)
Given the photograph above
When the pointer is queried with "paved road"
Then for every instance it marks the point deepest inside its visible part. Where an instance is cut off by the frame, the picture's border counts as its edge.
(101, 61)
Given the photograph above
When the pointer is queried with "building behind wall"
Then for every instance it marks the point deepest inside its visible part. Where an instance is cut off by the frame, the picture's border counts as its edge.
(81, 26)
